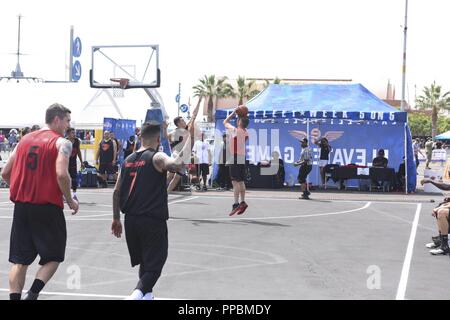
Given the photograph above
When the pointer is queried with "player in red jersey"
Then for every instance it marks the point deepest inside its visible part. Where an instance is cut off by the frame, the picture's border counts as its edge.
(37, 173)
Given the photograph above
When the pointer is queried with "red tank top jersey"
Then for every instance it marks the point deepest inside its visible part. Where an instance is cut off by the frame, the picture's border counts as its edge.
(238, 139)
(33, 175)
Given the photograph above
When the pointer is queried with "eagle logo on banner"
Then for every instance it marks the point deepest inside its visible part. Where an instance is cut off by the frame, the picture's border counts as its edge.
(316, 135)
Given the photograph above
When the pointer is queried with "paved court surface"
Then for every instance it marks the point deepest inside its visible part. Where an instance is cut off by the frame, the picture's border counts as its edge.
(337, 246)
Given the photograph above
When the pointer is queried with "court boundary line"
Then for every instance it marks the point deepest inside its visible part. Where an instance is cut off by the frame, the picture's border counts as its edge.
(93, 295)
(401, 290)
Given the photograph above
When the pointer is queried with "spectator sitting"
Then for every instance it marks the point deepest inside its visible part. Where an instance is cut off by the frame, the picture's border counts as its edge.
(380, 160)
(401, 176)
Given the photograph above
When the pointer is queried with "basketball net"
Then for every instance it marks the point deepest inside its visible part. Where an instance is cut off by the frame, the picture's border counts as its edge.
(118, 91)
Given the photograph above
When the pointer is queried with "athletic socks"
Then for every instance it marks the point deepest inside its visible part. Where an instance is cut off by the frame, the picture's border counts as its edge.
(37, 286)
(15, 296)
(35, 289)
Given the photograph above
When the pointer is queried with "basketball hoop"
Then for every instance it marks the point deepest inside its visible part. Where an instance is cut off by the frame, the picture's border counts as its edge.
(118, 91)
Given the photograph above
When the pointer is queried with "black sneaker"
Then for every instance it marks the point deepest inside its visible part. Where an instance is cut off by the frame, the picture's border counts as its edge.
(435, 244)
(442, 250)
(205, 188)
(305, 196)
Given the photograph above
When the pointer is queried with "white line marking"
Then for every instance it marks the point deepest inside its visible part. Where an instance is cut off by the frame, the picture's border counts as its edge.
(88, 217)
(271, 198)
(183, 200)
(87, 295)
(407, 263)
(279, 217)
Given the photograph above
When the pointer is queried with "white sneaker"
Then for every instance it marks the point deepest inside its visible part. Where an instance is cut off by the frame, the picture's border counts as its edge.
(440, 251)
(148, 296)
(431, 245)
(136, 295)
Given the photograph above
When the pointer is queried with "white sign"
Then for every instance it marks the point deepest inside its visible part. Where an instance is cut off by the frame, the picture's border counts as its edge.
(434, 175)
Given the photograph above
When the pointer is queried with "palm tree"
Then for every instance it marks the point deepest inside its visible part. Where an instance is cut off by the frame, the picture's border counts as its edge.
(245, 89)
(211, 89)
(432, 99)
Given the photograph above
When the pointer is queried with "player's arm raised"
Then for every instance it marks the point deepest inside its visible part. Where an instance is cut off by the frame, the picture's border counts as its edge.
(163, 162)
(227, 123)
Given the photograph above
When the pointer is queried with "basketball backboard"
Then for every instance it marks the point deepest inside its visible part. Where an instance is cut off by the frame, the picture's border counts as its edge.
(137, 64)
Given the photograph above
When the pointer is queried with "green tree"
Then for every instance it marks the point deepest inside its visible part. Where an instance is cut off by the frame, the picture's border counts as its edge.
(212, 89)
(433, 99)
(245, 89)
(419, 124)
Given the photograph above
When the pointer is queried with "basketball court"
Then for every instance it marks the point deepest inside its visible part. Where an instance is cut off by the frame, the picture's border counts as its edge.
(370, 246)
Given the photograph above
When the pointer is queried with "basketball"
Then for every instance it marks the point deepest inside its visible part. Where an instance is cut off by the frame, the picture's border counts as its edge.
(242, 111)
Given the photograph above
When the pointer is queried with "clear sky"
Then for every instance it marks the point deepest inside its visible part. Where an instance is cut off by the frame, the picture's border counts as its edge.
(352, 39)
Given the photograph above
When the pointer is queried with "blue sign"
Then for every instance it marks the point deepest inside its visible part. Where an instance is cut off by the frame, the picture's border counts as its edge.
(177, 98)
(184, 108)
(122, 128)
(76, 51)
(352, 143)
(76, 71)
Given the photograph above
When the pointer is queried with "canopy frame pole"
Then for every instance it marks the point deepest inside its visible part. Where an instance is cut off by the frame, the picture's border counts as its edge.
(406, 158)
(309, 140)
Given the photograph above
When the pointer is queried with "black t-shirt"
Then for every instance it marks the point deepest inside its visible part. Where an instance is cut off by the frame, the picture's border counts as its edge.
(129, 149)
(380, 162)
(143, 189)
(73, 156)
(106, 151)
(324, 151)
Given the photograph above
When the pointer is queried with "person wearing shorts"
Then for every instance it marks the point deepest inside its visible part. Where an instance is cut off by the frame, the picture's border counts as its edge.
(202, 159)
(106, 158)
(181, 143)
(37, 172)
(324, 157)
(305, 164)
(141, 194)
(237, 164)
(76, 152)
(440, 246)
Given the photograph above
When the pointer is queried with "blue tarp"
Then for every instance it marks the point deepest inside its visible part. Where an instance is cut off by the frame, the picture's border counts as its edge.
(443, 136)
(122, 129)
(354, 120)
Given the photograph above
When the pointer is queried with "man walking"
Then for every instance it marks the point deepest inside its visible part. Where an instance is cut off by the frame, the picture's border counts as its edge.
(106, 155)
(76, 152)
(305, 164)
(37, 172)
(141, 194)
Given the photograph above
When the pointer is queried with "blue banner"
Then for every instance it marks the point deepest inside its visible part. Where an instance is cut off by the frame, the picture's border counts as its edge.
(122, 129)
(156, 115)
(352, 142)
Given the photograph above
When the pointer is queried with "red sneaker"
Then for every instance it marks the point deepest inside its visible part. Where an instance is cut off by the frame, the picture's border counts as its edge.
(234, 210)
(242, 207)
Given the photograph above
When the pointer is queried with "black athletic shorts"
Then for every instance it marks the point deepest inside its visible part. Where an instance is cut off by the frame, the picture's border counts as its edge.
(303, 173)
(147, 242)
(237, 172)
(37, 230)
(106, 168)
(202, 169)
